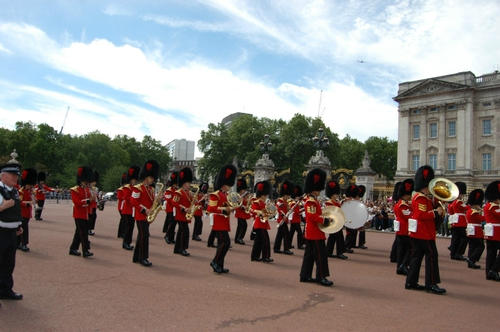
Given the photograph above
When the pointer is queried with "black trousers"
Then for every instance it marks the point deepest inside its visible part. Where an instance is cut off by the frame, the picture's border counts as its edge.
(8, 244)
(394, 250)
(121, 226)
(315, 253)
(350, 238)
(198, 226)
(362, 238)
(81, 235)
(492, 256)
(403, 250)
(182, 239)
(459, 241)
(171, 229)
(223, 243)
(128, 228)
(38, 211)
(261, 244)
(211, 238)
(282, 235)
(295, 228)
(419, 249)
(168, 218)
(141, 250)
(241, 229)
(476, 248)
(92, 219)
(335, 239)
(24, 238)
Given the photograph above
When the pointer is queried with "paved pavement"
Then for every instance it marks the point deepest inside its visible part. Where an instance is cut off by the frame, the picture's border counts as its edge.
(109, 293)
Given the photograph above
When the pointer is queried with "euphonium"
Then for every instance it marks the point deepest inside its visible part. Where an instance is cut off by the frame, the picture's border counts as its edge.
(156, 206)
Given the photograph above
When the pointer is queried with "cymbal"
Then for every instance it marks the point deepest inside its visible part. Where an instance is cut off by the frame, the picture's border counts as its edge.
(337, 219)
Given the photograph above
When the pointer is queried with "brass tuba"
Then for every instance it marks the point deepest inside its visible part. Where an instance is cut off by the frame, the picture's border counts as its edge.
(156, 206)
(443, 190)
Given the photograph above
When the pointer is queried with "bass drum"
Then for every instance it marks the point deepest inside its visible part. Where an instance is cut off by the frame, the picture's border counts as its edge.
(356, 214)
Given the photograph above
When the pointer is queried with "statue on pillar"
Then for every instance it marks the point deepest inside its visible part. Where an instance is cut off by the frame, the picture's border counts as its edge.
(319, 160)
(264, 167)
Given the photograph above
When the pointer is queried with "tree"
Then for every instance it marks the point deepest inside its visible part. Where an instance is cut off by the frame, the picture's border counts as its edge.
(351, 152)
(383, 155)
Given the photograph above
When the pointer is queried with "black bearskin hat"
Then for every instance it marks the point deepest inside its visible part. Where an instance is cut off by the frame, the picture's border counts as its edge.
(286, 188)
(172, 180)
(462, 187)
(41, 176)
(241, 184)
(297, 191)
(476, 197)
(406, 188)
(395, 192)
(492, 192)
(332, 188)
(262, 188)
(185, 175)
(150, 168)
(28, 176)
(95, 177)
(352, 191)
(133, 173)
(423, 176)
(226, 176)
(84, 174)
(123, 179)
(362, 190)
(204, 188)
(315, 180)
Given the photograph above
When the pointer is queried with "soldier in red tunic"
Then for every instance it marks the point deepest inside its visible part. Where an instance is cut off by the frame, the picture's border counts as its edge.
(283, 233)
(200, 202)
(40, 190)
(141, 200)
(395, 198)
(127, 208)
(422, 228)
(492, 230)
(170, 222)
(261, 244)
(474, 217)
(295, 217)
(119, 197)
(352, 192)
(457, 210)
(402, 212)
(182, 200)
(241, 212)
(219, 215)
(80, 195)
(332, 191)
(315, 252)
(28, 180)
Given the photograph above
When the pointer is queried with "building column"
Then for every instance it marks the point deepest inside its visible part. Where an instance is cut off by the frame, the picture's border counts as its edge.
(423, 140)
(403, 143)
(442, 141)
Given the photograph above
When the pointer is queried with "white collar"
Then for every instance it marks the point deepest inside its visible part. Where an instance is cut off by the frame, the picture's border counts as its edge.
(5, 186)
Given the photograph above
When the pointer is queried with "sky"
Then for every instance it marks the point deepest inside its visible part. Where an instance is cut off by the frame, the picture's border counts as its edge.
(169, 68)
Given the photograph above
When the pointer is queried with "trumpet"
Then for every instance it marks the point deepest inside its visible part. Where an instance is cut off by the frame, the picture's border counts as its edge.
(156, 206)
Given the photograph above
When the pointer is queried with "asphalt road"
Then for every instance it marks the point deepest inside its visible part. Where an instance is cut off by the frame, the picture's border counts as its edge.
(109, 293)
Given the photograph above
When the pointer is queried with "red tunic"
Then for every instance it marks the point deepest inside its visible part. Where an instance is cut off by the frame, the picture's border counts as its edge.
(119, 196)
(182, 202)
(169, 195)
(241, 212)
(474, 219)
(402, 212)
(423, 213)
(81, 198)
(200, 201)
(298, 210)
(259, 222)
(332, 203)
(216, 204)
(26, 202)
(313, 218)
(282, 207)
(40, 190)
(141, 199)
(457, 210)
(126, 203)
(492, 216)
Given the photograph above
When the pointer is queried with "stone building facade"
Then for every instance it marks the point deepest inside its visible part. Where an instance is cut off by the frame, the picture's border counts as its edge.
(452, 123)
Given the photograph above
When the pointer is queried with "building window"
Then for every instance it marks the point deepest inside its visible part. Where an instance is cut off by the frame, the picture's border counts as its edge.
(487, 127)
(433, 160)
(452, 107)
(433, 109)
(433, 130)
(486, 161)
(416, 131)
(415, 162)
(452, 161)
(417, 111)
(451, 129)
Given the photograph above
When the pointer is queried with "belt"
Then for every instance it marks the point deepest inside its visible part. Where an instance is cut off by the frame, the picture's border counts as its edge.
(458, 214)
(15, 224)
(475, 225)
(488, 223)
(220, 214)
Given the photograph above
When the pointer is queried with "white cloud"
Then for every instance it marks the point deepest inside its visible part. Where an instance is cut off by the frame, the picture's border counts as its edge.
(4, 49)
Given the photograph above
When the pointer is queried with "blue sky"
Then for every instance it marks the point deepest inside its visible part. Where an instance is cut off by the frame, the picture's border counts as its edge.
(168, 68)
